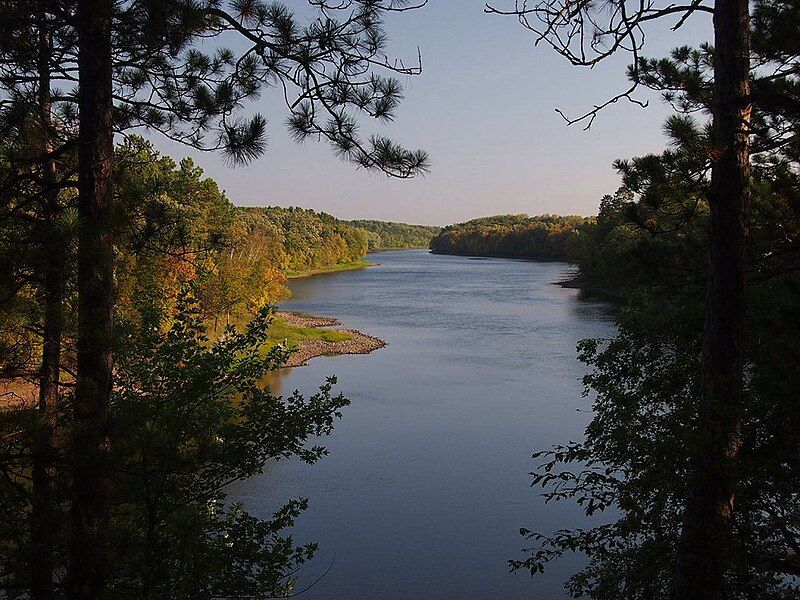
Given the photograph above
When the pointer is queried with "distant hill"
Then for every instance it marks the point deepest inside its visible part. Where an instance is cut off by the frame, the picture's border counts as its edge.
(386, 235)
(519, 236)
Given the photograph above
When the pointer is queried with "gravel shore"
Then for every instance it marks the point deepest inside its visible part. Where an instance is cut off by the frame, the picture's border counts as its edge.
(359, 343)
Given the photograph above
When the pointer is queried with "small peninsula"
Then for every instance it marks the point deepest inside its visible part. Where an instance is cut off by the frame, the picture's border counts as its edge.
(312, 337)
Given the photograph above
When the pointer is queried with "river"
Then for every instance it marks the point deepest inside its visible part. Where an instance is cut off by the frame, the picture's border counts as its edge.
(427, 485)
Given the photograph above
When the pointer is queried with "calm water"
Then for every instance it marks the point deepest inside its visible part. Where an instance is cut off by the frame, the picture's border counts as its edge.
(426, 484)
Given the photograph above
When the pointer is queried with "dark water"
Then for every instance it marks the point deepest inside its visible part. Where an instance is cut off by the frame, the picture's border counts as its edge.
(426, 484)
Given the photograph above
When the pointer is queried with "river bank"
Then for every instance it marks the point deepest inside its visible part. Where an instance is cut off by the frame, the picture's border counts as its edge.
(530, 257)
(338, 268)
(311, 335)
(349, 341)
(575, 281)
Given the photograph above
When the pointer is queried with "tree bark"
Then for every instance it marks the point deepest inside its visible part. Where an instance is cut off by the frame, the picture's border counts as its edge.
(706, 543)
(53, 259)
(87, 575)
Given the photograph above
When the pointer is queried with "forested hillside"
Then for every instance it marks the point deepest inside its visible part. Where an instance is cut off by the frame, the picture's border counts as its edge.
(311, 240)
(184, 231)
(388, 235)
(519, 236)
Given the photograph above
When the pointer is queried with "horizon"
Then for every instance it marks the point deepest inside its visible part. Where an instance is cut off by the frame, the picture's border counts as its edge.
(521, 157)
(350, 220)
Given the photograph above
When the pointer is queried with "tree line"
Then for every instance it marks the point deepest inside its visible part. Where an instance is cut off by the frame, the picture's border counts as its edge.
(388, 235)
(551, 237)
(188, 234)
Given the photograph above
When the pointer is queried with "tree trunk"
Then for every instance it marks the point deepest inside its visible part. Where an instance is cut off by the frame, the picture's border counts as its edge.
(87, 576)
(53, 258)
(706, 543)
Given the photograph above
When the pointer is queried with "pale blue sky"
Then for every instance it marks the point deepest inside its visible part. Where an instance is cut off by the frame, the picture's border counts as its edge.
(484, 110)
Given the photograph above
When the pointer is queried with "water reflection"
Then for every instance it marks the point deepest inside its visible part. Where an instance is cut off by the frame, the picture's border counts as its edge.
(276, 380)
(427, 484)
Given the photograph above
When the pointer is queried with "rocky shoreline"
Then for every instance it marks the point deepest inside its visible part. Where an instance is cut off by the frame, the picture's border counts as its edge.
(359, 343)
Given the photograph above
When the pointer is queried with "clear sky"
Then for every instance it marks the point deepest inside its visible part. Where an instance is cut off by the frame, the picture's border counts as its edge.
(484, 110)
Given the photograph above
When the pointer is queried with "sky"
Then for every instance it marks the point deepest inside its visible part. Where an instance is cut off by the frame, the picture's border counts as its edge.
(484, 109)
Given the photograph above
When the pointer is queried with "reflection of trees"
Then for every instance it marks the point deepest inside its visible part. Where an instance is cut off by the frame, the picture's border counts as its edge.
(275, 380)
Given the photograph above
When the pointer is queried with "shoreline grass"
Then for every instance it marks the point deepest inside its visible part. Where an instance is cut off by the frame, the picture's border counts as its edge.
(281, 330)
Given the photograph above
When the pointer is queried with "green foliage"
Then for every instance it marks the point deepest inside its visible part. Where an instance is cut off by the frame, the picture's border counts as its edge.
(634, 460)
(188, 415)
(192, 417)
(550, 237)
(174, 74)
(171, 224)
(312, 240)
(387, 235)
(650, 240)
(175, 227)
(337, 268)
(633, 243)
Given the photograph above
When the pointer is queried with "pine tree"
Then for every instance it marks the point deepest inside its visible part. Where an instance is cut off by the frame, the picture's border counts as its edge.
(717, 80)
(587, 33)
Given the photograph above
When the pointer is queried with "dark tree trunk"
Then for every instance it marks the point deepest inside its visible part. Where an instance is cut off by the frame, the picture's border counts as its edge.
(87, 576)
(53, 259)
(706, 543)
